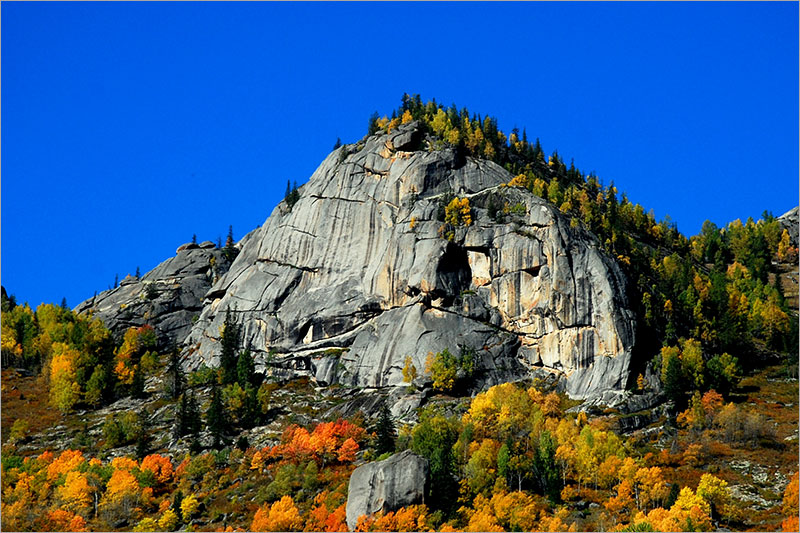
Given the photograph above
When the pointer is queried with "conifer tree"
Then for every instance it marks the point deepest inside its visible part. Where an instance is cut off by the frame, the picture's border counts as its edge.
(673, 386)
(214, 416)
(192, 415)
(230, 345)
(175, 377)
(385, 431)
(180, 419)
(142, 435)
(373, 123)
(230, 250)
(137, 386)
(245, 368)
(251, 414)
(188, 421)
(292, 194)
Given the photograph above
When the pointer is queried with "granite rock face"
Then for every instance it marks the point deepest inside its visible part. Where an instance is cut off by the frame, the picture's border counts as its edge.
(386, 485)
(169, 297)
(362, 273)
(790, 220)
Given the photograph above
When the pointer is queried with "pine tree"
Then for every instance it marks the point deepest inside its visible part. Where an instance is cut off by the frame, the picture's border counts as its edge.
(137, 386)
(251, 414)
(338, 143)
(230, 249)
(230, 345)
(214, 416)
(176, 502)
(175, 377)
(245, 369)
(373, 123)
(673, 386)
(142, 436)
(180, 419)
(385, 431)
(292, 194)
(64, 303)
(194, 238)
(187, 420)
(192, 415)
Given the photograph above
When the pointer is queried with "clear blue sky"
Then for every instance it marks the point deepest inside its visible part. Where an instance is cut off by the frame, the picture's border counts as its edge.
(128, 127)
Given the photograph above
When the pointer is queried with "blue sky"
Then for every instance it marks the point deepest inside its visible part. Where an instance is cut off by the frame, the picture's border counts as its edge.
(128, 127)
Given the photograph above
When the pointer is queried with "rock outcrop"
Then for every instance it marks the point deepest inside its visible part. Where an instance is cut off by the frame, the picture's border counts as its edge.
(169, 297)
(790, 220)
(386, 485)
(362, 272)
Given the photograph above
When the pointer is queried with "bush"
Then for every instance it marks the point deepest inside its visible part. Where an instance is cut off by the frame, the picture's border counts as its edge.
(122, 429)
(202, 376)
(447, 369)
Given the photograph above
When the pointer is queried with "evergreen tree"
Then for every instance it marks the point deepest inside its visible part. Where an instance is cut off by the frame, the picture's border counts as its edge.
(230, 249)
(194, 238)
(142, 436)
(251, 414)
(176, 503)
(373, 123)
(137, 386)
(192, 415)
(215, 421)
(175, 378)
(385, 431)
(187, 421)
(180, 419)
(292, 194)
(230, 345)
(338, 143)
(245, 369)
(673, 387)
(64, 303)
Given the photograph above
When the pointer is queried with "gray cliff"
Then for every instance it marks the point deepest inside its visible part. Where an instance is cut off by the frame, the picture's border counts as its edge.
(169, 297)
(359, 274)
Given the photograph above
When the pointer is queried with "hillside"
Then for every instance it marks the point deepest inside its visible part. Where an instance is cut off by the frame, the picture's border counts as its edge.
(553, 356)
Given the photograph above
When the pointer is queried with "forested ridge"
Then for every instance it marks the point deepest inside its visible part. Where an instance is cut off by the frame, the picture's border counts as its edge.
(110, 434)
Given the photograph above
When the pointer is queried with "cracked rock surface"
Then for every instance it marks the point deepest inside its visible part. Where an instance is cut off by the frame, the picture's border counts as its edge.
(358, 275)
(169, 297)
(386, 485)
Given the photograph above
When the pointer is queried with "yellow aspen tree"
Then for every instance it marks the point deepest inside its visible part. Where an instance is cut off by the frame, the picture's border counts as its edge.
(64, 389)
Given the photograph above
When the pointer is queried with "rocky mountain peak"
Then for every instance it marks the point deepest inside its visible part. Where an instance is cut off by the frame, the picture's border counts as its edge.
(363, 273)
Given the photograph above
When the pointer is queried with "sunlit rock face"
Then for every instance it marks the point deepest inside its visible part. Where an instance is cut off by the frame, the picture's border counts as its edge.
(169, 297)
(363, 267)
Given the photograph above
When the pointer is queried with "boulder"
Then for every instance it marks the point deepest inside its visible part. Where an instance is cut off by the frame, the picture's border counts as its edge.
(386, 485)
(187, 246)
(362, 263)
